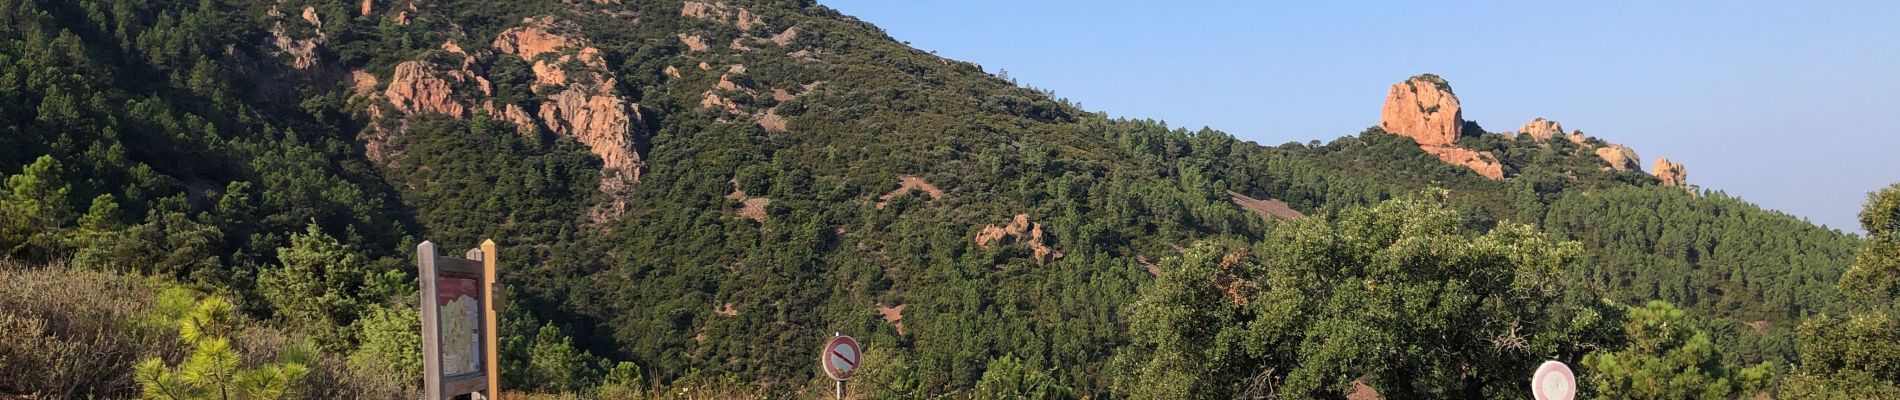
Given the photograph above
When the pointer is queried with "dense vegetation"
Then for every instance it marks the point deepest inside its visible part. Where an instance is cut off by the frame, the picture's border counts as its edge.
(164, 154)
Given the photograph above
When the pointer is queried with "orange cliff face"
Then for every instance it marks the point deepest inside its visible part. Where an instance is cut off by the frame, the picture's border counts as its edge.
(1424, 108)
(1670, 172)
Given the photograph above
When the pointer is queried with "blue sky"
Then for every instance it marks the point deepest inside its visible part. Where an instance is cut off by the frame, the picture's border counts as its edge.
(1791, 105)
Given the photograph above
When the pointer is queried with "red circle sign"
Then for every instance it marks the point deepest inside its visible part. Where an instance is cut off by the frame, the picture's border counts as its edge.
(1554, 381)
(841, 357)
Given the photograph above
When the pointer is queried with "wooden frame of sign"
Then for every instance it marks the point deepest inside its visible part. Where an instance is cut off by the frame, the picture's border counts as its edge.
(458, 322)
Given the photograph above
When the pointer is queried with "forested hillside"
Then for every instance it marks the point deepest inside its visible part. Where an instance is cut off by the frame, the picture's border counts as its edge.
(693, 195)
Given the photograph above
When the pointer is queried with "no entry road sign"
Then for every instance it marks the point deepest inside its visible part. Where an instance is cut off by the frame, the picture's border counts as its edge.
(1554, 381)
(841, 357)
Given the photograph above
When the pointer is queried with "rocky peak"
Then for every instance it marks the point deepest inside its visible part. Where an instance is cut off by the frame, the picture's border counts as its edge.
(1542, 130)
(1670, 172)
(1424, 109)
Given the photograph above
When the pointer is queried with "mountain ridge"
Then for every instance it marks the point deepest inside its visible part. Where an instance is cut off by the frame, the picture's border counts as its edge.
(701, 188)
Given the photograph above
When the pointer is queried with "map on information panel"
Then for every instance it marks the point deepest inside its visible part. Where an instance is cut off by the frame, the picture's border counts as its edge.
(460, 320)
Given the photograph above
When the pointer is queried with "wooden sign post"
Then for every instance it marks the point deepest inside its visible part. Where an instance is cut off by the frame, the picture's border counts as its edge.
(459, 353)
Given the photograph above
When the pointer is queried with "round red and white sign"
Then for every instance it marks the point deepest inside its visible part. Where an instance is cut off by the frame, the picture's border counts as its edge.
(1554, 381)
(841, 357)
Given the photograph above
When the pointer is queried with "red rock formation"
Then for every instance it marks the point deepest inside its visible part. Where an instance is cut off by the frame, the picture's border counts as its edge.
(417, 87)
(368, 5)
(299, 47)
(694, 42)
(530, 41)
(704, 10)
(1019, 230)
(1481, 162)
(1542, 130)
(719, 12)
(1424, 109)
(1578, 138)
(588, 106)
(1670, 172)
(1620, 157)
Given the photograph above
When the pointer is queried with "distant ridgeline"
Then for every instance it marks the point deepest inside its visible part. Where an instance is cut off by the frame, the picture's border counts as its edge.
(707, 190)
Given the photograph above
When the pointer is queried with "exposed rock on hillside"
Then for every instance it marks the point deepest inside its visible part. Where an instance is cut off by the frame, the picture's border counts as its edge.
(1268, 209)
(893, 315)
(1542, 130)
(905, 185)
(1019, 230)
(1483, 163)
(1578, 138)
(749, 207)
(714, 11)
(1670, 172)
(580, 100)
(694, 42)
(588, 105)
(1620, 157)
(1424, 109)
(419, 87)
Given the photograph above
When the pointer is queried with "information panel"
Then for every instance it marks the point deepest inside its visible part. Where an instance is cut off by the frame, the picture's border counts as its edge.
(460, 324)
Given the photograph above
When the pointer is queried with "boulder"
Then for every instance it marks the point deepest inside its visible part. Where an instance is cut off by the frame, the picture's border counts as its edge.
(1620, 157)
(1542, 130)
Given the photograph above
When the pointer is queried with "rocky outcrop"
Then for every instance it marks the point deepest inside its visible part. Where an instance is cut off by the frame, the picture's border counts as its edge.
(905, 185)
(786, 37)
(298, 41)
(704, 10)
(694, 43)
(1019, 230)
(1424, 109)
(1670, 172)
(1542, 130)
(585, 104)
(1619, 157)
(1483, 163)
(1578, 138)
(530, 41)
(771, 122)
(580, 99)
(738, 17)
(419, 87)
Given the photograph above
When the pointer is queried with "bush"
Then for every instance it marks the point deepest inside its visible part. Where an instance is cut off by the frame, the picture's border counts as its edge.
(68, 334)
